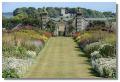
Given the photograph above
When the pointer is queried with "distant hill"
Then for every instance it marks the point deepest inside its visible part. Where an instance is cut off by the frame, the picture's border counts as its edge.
(7, 14)
(87, 13)
(56, 11)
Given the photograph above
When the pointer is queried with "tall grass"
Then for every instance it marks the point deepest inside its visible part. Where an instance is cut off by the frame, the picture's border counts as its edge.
(17, 43)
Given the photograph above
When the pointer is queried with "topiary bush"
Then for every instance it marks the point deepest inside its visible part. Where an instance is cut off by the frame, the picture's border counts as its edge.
(92, 47)
(95, 55)
(107, 50)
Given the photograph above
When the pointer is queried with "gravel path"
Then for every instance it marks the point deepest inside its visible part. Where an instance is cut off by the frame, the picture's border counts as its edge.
(61, 58)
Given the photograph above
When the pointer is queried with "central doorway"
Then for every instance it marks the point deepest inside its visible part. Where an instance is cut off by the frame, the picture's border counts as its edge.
(61, 33)
(61, 30)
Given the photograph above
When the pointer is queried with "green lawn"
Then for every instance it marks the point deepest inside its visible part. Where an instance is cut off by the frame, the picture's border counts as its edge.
(60, 58)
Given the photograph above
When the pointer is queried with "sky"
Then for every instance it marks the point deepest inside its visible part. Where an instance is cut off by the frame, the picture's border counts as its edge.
(99, 6)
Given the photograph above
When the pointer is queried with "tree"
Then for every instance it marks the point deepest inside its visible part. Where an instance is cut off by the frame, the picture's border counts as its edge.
(10, 23)
(109, 14)
(50, 26)
(19, 11)
(32, 12)
(21, 16)
(71, 27)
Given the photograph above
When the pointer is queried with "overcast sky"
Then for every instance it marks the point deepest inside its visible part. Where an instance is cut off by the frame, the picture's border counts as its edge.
(99, 6)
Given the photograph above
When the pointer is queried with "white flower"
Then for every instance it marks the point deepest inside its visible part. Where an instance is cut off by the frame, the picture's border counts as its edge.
(20, 65)
(105, 66)
(95, 55)
(31, 54)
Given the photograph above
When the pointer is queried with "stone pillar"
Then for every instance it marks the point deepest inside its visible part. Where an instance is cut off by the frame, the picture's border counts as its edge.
(79, 21)
(44, 18)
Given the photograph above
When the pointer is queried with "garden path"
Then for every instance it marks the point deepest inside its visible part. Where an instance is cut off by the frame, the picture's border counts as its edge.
(61, 58)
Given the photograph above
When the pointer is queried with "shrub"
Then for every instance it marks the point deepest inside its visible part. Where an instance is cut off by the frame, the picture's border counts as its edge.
(99, 23)
(95, 55)
(92, 47)
(9, 73)
(107, 50)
